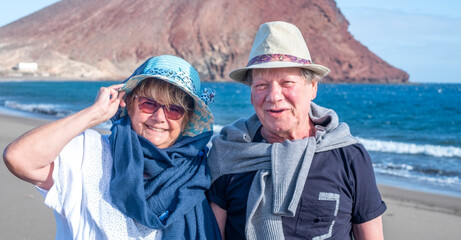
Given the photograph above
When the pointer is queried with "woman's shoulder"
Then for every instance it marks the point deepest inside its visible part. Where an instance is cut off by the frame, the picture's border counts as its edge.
(91, 136)
(91, 133)
(93, 147)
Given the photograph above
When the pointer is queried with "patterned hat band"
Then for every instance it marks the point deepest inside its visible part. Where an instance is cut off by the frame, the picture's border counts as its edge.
(277, 58)
(182, 77)
(178, 76)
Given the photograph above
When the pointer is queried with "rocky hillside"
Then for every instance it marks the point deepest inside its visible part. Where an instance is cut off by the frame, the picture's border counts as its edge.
(108, 39)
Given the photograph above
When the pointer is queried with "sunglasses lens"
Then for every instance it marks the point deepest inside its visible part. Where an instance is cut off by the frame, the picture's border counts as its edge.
(150, 106)
(174, 112)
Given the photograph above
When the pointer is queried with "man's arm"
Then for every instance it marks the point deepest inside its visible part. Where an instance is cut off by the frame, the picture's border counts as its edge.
(371, 230)
(221, 216)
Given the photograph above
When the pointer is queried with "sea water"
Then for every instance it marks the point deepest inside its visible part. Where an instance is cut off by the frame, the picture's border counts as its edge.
(412, 132)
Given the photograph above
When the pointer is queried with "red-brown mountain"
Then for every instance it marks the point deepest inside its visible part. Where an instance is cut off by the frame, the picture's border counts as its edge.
(108, 39)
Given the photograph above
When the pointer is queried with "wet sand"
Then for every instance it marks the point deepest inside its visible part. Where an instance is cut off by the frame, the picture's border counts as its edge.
(410, 214)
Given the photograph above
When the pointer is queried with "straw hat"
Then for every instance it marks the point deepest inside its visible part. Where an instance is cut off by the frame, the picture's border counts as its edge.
(278, 45)
(180, 73)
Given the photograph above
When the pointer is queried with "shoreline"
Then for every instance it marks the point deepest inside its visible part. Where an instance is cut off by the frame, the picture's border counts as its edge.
(431, 201)
(410, 214)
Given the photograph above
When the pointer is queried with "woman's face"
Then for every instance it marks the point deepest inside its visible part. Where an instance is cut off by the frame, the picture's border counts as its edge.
(156, 127)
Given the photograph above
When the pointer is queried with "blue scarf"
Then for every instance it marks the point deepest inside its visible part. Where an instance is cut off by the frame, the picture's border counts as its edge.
(162, 188)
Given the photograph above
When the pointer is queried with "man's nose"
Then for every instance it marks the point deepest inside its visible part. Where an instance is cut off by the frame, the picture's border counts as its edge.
(275, 93)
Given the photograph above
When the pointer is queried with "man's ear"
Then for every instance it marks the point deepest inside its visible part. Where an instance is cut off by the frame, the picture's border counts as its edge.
(314, 90)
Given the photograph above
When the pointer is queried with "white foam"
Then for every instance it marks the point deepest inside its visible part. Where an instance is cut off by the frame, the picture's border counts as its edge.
(399, 147)
(217, 129)
(47, 109)
(406, 173)
(411, 148)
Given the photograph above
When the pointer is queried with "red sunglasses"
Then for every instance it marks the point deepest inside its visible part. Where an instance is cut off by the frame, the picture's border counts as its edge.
(149, 106)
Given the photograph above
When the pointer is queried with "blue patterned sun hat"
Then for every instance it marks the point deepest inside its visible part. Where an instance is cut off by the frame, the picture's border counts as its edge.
(180, 73)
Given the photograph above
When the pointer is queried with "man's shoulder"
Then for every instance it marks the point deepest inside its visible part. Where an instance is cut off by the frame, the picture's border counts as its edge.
(347, 153)
(354, 148)
(349, 149)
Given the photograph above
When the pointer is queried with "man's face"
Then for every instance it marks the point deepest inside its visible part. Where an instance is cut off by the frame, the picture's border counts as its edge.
(281, 98)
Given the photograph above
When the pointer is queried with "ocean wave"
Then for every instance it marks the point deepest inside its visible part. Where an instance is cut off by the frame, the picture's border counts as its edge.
(399, 147)
(47, 109)
(410, 148)
(407, 169)
(410, 172)
(217, 128)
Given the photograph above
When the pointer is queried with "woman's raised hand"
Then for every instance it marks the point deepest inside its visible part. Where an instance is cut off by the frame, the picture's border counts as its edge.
(107, 102)
(30, 157)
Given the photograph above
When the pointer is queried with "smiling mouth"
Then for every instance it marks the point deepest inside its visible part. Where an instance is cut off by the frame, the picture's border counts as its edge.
(275, 111)
(156, 129)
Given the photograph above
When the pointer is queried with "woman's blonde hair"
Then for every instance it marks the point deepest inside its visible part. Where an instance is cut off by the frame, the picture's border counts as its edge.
(164, 93)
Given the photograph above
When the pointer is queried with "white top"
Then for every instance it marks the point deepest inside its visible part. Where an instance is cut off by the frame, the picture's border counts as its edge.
(80, 195)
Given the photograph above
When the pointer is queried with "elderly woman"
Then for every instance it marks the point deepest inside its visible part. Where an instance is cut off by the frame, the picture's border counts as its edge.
(147, 180)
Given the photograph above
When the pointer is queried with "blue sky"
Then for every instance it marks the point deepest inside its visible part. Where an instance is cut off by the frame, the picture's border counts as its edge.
(421, 37)
(11, 11)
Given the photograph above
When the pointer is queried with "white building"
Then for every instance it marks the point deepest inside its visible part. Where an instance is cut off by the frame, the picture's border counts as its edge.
(26, 67)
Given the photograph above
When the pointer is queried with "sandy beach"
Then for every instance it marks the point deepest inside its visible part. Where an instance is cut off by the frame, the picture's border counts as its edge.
(410, 214)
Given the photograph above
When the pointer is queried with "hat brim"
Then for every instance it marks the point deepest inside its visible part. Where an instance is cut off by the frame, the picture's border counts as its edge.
(201, 120)
(239, 74)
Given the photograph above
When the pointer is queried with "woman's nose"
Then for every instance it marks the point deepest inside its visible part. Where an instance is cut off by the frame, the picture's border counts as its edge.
(159, 115)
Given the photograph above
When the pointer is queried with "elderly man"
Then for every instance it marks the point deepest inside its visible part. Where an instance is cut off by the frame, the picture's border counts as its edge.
(291, 171)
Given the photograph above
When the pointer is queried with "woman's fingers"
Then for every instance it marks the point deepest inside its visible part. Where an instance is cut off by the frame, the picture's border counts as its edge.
(112, 92)
(115, 90)
(108, 101)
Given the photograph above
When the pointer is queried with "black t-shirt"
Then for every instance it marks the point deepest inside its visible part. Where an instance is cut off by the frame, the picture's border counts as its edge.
(340, 190)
